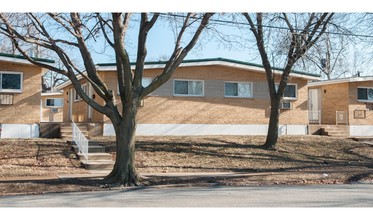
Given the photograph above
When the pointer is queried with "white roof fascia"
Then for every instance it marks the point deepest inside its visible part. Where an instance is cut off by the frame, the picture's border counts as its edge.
(68, 82)
(19, 60)
(337, 81)
(210, 63)
(51, 93)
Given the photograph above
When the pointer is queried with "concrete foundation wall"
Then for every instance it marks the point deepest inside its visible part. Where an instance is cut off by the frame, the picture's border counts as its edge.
(361, 130)
(20, 131)
(207, 129)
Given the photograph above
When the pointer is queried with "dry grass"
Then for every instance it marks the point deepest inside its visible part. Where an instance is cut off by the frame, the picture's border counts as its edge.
(300, 160)
(37, 157)
(245, 154)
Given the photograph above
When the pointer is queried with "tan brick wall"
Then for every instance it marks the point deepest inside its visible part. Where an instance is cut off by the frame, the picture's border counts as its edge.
(355, 105)
(333, 98)
(343, 97)
(26, 107)
(80, 108)
(162, 107)
(47, 114)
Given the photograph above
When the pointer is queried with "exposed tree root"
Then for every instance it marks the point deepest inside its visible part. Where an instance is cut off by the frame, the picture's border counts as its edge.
(117, 179)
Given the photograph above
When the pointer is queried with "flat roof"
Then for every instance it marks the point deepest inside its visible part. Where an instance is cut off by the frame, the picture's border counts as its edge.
(206, 62)
(21, 59)
(202, 62)
(342, 80)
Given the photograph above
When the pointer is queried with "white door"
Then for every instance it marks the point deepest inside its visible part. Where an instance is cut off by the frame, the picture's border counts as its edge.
(314, 113)
(90, 92)
(71, 100)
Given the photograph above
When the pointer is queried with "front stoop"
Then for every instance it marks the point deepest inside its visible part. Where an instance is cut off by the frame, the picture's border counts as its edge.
(334, 131)
(98, 159)
(67, 130)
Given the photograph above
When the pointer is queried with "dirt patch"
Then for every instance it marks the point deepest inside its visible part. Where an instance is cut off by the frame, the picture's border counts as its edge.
(300, 160)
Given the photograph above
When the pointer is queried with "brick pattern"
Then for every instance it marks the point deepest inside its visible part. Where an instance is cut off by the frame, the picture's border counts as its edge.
(343, 97)
(47, 113)
(162, 107)
(26, 105)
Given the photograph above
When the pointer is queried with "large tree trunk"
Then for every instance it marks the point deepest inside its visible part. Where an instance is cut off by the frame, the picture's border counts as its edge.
(272, 134)
(124, 171)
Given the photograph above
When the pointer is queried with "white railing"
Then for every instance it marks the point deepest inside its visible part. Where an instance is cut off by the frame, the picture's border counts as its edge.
(341, 117)
(314, 116)
(80, 140)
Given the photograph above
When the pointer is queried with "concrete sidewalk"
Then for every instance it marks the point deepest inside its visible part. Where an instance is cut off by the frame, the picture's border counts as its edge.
(102, 174)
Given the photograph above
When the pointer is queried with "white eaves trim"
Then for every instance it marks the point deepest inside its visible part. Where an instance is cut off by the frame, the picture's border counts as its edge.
(51, 93)
(337, 81)
(211, 63)
(19, 60)
(68, 82)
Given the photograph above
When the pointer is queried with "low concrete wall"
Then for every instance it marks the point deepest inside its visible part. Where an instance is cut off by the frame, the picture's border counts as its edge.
(207, 129)
(19, 131)
(361, 130)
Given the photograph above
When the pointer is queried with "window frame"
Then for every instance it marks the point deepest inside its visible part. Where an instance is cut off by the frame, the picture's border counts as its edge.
(289, 84)
(11, 90)
(363, 100)
(142, 83)
(189, 80)
(48, 106)
(242, 97)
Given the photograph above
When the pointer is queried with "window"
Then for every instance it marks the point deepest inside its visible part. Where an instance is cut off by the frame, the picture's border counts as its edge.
(188, 87)
(56, 102)
(145, 82)
(365, 94)
(10, 82)
(290, 91)
(238, 89)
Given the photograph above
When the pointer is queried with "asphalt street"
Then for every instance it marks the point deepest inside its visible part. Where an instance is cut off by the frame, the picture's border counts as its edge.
(348, 195)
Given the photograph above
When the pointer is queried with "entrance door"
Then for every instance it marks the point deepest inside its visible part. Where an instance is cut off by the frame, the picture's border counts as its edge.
(71, 100)
(314, 113)
(90, 92)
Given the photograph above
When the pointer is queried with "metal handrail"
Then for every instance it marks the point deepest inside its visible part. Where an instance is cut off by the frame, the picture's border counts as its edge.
(80, 140)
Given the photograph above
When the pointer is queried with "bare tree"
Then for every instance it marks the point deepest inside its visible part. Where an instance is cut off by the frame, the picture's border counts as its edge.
(303, 31)
(78, 31)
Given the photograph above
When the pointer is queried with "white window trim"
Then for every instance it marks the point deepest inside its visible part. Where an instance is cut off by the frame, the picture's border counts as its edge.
(189, 80)
(240, 97)
(296, 91)
(151, 80)
(48, 106)
(12, 90)
(364, 100)
(76, 96)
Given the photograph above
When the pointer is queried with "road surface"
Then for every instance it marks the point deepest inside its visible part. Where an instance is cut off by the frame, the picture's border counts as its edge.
(349, 195)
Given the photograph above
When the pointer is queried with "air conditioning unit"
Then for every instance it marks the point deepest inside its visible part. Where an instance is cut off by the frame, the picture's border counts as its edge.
(286, 105)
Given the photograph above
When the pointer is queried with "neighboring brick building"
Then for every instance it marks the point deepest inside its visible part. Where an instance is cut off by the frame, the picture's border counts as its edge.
(20, 96)
(346, 102)
(203, 97)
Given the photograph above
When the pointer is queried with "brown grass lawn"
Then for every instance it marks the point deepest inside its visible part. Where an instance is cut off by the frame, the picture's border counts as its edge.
(300, 160)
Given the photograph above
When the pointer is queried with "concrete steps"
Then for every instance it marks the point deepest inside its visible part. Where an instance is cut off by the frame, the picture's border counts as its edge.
(334, 131)
(98, 159)
(67, 130)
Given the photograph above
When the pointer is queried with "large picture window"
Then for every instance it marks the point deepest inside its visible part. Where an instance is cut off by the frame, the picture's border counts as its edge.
(10, 82)
(365, 94)
(188, 87)
(238, 89)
